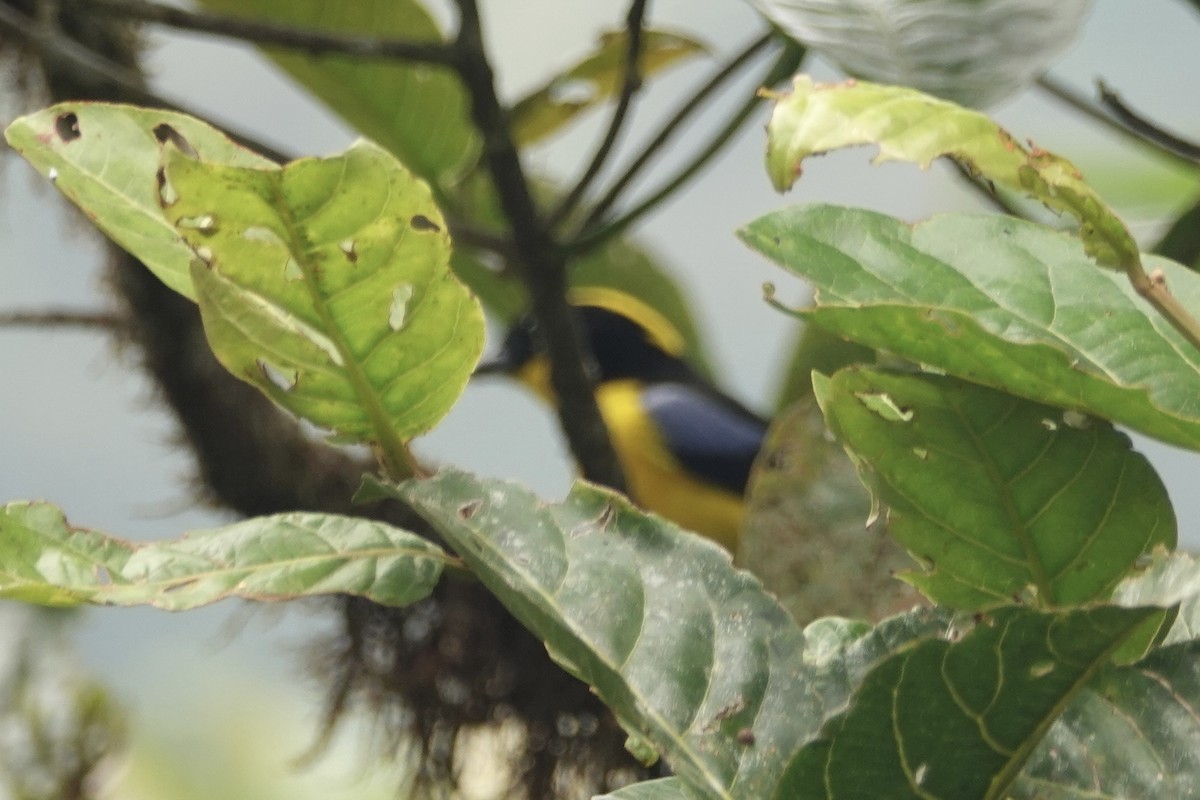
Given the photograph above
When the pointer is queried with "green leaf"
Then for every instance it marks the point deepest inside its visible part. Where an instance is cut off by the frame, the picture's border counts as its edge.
(1132, 733)
(911, 126)
(661, 789)
(995, 496)
(816, 350)
(692, 655)
(958, 719)
(417, 111)
(976, 52)
(1172, 580)
(327, 285)
(594, 80)
(104, 157)
(44, 561)
(997, 301)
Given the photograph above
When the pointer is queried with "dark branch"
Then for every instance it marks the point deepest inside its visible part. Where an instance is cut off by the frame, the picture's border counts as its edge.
(541, 260)
(1077, 101)
(684, 112)
(60, 318)
(269, 33)
(595, 232)
(630, 85)
(1145, 129)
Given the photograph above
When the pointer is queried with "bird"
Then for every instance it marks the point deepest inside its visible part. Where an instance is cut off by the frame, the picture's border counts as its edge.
(686, 448)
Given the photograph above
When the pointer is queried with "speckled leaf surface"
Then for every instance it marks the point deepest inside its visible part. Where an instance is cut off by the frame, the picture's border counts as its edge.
(44, 560)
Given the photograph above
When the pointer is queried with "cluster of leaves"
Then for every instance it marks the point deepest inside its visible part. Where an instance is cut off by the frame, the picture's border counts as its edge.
(1057, 656)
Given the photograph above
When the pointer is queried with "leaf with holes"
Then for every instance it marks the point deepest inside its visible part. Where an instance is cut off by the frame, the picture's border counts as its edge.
(911, 126)
(45, 561)
(995, 496)
(416, 111)
(997, 301)
(327, 285)
(692, 655)
(594, 80)
(103, 158)
(948, 720)
(1132, 733)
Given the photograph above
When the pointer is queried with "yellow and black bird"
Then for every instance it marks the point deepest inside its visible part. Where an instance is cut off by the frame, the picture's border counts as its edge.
(686, 449)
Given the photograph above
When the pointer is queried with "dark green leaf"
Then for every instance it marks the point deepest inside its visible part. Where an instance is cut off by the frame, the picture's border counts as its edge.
(954, 720)
(995, 496)
(280, 557)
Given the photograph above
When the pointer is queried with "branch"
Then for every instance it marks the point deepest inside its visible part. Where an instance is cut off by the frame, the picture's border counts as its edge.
(1083, 105)
(543, 262)
(268, 33)
(685, 111)
(632, 82)
(593, 233)
(1146, 130)
(60, 318)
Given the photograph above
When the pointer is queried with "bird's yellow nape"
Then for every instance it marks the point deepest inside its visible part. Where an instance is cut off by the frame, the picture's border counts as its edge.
(659, 330)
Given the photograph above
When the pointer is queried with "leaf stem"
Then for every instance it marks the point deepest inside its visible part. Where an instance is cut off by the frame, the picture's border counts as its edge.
(630, 85)
(268, 33)
(542, 260)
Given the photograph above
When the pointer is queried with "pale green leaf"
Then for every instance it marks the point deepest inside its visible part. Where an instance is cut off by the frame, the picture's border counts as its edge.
(104, 157)
(417, 111)
(327, 285)
(976, 52)
(594, 80)
(997, 301)
(1133, 733)
(690, 654)
(661, 789)
(911, 126)
(950, 720)
(998, 497)
(45, 561)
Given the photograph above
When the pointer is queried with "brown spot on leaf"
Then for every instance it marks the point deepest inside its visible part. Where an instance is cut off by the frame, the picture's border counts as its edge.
(67, 126)
(468, 510)
(745, 737)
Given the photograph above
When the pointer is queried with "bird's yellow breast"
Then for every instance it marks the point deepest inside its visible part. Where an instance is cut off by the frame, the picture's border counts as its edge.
(656, 479)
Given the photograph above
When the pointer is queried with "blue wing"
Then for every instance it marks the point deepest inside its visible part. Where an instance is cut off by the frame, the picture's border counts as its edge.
(713, 437)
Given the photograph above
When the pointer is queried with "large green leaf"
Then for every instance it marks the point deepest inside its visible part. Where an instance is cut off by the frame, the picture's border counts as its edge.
(997, 301)
(995, 496)
(691, 654)
(103, 158)
(327, 285)
(45, 561)
(595, 79)
(416, 111)
(952, 720)
(977, 52)
(911, 126)
(1132, 733)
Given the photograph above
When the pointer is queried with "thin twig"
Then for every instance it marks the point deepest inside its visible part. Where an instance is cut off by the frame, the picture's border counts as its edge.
(542, 261)
(630, 85)
(60, 318)
(1145, 129)
(594, 232)
(1077, 101)
(684, 112)
(269, 33)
